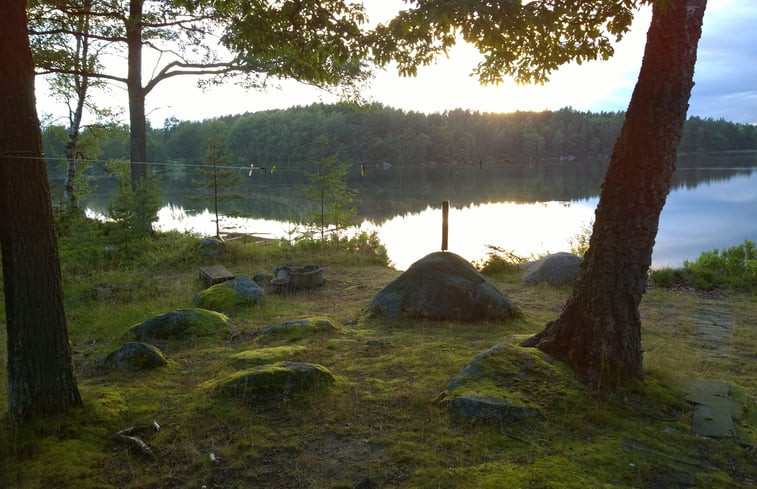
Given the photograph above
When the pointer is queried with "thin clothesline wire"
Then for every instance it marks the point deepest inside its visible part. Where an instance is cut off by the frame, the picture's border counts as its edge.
(261, 168)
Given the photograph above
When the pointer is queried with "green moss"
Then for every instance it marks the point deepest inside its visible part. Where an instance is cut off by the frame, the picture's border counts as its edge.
(274, 381)
(380, 419)
(265, 355)
(182, 323)
(64, 464)
(298, 329)
(521, 376)
(109, 404)
(218, 298)
(548, 472)
(230, 296)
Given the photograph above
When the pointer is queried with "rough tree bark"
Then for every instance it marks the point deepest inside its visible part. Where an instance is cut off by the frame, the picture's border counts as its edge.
(40, 374)
(598, 332)
(137, 122)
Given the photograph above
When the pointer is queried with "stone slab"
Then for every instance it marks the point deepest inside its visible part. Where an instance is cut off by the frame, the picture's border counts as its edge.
(712, 421)
(715, 410)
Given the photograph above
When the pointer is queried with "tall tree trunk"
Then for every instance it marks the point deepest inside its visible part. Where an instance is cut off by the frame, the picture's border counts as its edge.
(69, 184)
(40, 374)
(81, 85)
(598, 332)
(137, 121)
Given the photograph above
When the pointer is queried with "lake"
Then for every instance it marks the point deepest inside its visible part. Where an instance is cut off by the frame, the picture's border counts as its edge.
(527, 208)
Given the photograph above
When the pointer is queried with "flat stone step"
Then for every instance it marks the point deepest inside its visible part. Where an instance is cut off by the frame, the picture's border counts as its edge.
(714, 323)
(715, 410)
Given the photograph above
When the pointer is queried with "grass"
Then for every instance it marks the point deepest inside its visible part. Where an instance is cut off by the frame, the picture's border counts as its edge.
(381, 422)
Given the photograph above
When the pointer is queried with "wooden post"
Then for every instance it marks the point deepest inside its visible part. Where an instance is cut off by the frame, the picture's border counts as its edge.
(445, 223)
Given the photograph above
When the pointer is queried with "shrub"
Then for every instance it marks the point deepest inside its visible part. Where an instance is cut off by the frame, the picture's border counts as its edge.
(580, 242)
(671, 277)
(733, 267)
(499, 260)
(363, 247)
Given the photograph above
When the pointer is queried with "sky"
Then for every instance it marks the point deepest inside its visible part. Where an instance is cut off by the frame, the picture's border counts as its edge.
(725, 79)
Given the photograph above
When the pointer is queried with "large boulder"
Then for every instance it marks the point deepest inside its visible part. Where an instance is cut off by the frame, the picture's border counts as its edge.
(442, 286)
(556, 269)
(133, 356)
(230, 295)
(183, 323)
(276, 381)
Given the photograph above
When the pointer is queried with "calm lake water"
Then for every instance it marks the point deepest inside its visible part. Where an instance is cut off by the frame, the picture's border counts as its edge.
(529, 209)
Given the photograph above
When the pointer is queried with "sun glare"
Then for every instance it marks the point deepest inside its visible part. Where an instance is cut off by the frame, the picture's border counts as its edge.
(527, 230)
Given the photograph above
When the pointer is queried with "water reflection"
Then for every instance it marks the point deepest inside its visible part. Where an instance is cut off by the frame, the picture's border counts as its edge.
(527, 208)
(524, 228)
(717, 214)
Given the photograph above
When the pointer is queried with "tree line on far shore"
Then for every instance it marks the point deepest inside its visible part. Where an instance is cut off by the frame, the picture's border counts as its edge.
(375, 135)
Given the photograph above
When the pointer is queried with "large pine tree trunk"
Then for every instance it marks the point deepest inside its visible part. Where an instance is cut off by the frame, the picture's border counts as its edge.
(598, 332)
(40, 374)
(137, 120)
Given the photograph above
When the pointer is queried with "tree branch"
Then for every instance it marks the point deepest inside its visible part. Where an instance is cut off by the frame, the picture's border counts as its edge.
(81, 73)
(176, 68)
(71, 32)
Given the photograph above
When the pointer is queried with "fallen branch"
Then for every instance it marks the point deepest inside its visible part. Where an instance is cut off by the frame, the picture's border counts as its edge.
(133, 443)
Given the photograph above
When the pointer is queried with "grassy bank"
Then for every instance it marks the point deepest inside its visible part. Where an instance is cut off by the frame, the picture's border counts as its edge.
(380, 424)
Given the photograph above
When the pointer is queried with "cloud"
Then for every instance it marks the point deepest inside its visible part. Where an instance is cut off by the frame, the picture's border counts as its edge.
(726, 71)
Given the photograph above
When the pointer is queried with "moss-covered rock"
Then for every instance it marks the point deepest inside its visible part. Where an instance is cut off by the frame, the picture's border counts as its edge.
(231, 295)
(275, 382)
(299, 328)
(260, 356)
(507, 383)
(134, 356)
(183, 323)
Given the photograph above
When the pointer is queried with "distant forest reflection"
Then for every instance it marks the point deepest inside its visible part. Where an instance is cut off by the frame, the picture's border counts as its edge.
(385, 192)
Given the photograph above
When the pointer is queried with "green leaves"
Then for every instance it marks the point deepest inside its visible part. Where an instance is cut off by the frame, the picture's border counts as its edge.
(526, 41)
(328, 188)
(318, 42)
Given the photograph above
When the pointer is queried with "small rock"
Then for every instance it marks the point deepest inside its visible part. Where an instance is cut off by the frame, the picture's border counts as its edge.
(275, 382)
(212, 247)
(230, 295)
(487, 409)
(556, 269)
(134, 356)
(182, 323)
(301, 327)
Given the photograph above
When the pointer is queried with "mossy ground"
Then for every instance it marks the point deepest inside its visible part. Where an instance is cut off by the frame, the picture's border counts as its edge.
(381, 421)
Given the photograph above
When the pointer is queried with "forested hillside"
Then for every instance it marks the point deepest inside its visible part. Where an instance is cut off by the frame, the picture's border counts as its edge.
(378, 135)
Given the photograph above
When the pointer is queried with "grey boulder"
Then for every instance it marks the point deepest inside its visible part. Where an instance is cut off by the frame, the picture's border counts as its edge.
(443, 286)
(556, 269)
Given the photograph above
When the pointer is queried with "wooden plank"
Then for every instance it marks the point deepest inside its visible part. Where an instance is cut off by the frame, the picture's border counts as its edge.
(215, 274)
